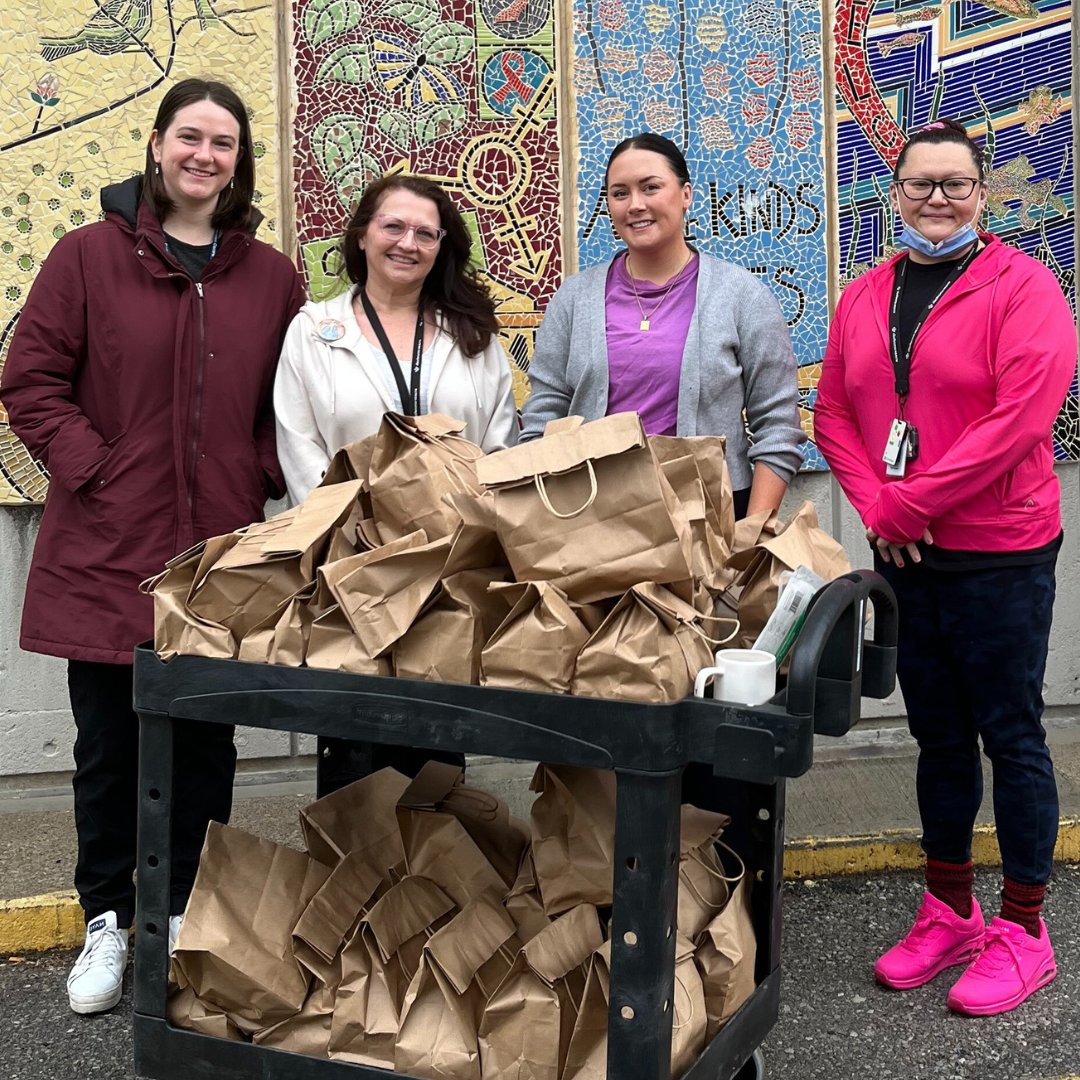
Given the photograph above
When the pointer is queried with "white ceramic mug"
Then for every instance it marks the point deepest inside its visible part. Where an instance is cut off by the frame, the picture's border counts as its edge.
(746, 676)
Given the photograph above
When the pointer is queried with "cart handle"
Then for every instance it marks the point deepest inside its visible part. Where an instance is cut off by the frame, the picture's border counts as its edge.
(832, 665)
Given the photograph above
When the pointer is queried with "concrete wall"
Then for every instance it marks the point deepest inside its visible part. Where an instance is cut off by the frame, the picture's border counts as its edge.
(36, 730)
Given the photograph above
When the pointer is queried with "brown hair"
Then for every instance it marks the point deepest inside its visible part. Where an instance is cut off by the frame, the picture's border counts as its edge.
(451, 285)
(234, 209)
(944, 131)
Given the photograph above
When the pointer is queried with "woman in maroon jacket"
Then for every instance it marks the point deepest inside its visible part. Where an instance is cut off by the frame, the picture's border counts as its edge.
(141, 373)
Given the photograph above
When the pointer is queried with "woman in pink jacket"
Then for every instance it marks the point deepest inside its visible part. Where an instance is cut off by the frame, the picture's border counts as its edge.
(944, 372)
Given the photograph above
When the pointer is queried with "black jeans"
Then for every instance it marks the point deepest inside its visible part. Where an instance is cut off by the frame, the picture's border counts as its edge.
(106, 790)
(971, 658)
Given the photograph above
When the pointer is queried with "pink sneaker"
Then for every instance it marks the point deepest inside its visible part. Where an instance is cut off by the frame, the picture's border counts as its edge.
(939, 939)
(1010, 968)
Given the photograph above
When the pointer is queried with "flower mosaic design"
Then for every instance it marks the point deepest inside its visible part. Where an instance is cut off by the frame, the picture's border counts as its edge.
(47, 91)
(406, 65)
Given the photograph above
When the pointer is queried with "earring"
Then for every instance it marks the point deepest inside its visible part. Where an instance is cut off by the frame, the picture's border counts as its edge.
(232, 182)
(157, 170)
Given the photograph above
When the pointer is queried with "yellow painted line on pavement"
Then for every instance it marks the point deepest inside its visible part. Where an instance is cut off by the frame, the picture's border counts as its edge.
(37, 923)
(813, 857)
(55, 920)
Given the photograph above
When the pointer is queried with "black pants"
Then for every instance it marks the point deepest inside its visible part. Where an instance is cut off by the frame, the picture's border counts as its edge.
(106, 790)
(970, 660)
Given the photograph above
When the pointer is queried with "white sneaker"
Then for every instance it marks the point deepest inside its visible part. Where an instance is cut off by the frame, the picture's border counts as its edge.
(96, 982)
(174, 931)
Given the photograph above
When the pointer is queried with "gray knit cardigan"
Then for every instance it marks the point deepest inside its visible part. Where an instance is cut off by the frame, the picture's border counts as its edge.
(738, 356)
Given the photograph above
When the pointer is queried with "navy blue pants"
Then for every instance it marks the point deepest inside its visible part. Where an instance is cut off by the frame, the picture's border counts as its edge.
(971, 658)
(106, 790)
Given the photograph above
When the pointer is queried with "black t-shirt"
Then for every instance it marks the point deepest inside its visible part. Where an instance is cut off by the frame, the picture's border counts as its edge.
(192, 257)
(921, 284)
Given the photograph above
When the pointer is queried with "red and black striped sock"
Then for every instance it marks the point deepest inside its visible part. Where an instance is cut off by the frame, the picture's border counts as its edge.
(1022, 904)
(952, 884)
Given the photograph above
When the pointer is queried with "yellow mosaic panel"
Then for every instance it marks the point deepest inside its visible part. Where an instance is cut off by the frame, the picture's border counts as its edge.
(82, 81)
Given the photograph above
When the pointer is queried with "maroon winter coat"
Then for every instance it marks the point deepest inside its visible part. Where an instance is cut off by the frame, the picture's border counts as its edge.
(148, 398)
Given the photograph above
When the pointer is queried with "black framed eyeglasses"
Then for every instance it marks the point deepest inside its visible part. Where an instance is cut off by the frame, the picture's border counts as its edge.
(956, 188)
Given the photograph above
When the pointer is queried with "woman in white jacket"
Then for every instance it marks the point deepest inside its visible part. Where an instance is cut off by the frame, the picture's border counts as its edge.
(416, 333)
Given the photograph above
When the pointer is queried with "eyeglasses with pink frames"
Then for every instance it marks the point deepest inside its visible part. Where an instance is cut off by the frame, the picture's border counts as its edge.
(393, 228)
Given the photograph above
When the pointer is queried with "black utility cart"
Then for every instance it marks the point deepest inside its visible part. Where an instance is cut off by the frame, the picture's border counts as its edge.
(752, 752)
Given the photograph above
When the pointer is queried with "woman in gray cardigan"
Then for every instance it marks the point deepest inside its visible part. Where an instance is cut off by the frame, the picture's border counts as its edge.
(688, 341)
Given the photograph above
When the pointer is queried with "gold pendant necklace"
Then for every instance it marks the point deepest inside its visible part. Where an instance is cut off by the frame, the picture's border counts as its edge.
(647, 319)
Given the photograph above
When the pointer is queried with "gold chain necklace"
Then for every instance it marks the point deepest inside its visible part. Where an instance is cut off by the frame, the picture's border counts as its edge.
(645, 319)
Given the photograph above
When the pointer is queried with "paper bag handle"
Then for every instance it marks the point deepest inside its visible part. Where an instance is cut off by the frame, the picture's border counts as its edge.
(542, 491)
(711, 640)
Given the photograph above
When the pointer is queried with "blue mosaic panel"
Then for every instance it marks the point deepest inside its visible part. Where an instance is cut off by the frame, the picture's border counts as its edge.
(738, 87)
(1003, 69)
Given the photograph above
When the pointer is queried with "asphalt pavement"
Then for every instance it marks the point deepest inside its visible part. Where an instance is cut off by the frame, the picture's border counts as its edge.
(835, 1023)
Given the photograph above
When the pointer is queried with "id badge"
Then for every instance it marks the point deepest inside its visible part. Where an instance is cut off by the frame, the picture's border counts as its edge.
(896, 442)
(898, 467)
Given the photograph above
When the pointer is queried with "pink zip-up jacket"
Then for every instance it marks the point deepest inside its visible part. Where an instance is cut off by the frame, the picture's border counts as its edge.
(989, 371)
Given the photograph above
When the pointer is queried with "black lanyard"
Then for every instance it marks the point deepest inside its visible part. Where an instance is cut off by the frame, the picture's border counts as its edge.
(410, 395)
(901, 361)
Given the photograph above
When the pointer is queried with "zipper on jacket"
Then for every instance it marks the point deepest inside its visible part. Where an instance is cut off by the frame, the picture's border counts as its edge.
(197, 416)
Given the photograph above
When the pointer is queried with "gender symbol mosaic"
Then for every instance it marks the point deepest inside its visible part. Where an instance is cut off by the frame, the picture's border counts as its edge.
(462, 93)
(82, 83)
(737, 84)
(1001, 67)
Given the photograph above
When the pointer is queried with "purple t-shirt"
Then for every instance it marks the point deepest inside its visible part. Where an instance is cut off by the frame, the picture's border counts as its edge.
(644, 365)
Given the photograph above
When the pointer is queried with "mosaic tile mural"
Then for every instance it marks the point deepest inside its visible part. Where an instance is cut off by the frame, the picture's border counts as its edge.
(1001, 67)
(463, 91)
(737, 84)
(81, 84)
(460, 92)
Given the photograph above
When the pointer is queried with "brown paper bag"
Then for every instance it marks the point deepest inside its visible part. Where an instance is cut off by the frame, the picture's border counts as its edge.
(535, 646)
(446, 640)
(710, 454)
(526, 1027)
(235, 944)
(364, 1023)
(272, 561)
(688, 1002)
(387, 588)
(177, 631)
(573, 835)
(437, 1035)
(416, 461)
(308, 1032)
(360, 817)
(709, 550)
(437, 845)
(351, 462)
(586, 1057)
(185, 1010)
(282, 638)
(703, 885)
(377, 966)
(770, 547)
(588, 509)
(334, 910)
(725, 956)
(523, 902)
(650, 648)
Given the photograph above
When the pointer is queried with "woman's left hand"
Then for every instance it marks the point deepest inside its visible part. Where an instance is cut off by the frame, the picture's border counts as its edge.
(894, 552)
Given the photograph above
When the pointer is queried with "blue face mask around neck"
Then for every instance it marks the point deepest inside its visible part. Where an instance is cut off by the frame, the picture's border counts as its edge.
(964, 237)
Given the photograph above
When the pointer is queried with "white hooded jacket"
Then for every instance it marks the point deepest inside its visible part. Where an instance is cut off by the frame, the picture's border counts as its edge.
(331, 393)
